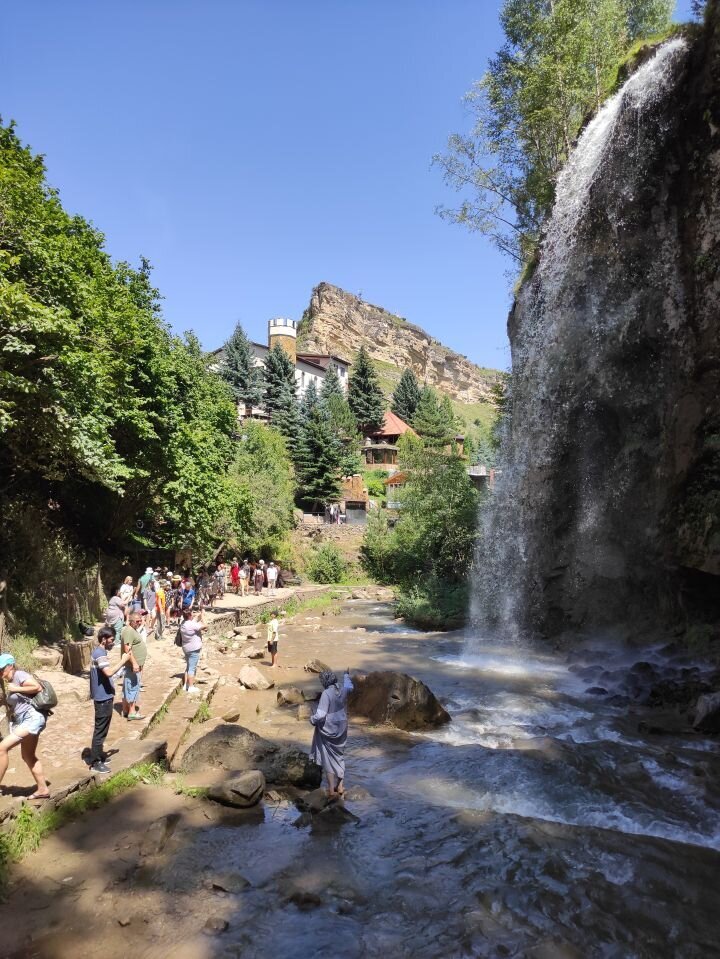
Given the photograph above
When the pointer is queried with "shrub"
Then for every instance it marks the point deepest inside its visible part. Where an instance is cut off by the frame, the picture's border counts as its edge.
(22, 648)
(327, 565)
(434, 605)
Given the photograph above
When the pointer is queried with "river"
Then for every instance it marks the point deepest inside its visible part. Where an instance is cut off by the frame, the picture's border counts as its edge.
(539, 823)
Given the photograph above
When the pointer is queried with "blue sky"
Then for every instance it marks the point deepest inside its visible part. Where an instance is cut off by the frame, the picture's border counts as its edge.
(251, 149)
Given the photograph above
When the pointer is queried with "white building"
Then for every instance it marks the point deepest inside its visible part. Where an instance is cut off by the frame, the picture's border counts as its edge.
(309, 367)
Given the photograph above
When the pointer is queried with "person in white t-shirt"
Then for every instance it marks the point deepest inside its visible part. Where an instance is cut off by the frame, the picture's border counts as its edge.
(271, 578)
(273, 636)
(127, 590)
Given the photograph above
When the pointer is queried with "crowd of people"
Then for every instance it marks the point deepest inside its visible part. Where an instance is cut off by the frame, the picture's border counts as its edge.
(160, 598)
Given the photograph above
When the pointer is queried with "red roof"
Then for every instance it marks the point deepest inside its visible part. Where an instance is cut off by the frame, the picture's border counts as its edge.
(393, 426)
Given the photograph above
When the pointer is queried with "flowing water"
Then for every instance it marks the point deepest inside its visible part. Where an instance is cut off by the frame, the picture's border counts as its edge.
(539, 823)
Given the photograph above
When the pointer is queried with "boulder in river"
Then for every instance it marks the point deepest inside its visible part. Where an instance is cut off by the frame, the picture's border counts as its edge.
(396, 698)
(238, 749)
(707, 713)
(252, 652)
(290, 696)
(251, 678)
(316, 666)
(244, 790)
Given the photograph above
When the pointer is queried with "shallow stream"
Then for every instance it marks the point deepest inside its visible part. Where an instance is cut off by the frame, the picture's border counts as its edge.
(539, 823)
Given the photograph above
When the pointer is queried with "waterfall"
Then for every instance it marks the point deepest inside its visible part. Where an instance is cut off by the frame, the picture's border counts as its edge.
(552, 548)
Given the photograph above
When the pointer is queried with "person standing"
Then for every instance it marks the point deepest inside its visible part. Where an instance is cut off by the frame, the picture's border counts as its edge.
(187, 595)
(234, 575)
(115, 615)
(191, 636)
(150, 603)
(259, 578)
(271, 578)
(126, 591)
(244, 577)
(133, 644)
(102, 693)
(142, 582)
(26, 722)
(273, 638)
(331, 726)
(160, 608)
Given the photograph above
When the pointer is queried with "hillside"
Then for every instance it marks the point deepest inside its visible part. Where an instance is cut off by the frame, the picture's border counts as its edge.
(339, 322)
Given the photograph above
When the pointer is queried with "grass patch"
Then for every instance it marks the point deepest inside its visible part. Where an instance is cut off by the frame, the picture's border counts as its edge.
(30, 826)
(22, 647)
(203, 712)
(192, 792)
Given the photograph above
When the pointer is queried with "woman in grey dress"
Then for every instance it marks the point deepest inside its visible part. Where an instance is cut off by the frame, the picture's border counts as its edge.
(331, 726)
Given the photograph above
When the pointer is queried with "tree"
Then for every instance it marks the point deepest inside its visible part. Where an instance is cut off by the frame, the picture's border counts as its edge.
(343, 426)
(309, 401)
(239, 371)
(558, 62)
(434, 419)
(406, 396)
(280, 382)
(331, 385)
(318, 465)
(365, 397)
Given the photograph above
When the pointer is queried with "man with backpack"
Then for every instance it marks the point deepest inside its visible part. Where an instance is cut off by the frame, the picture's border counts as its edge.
(102, 692)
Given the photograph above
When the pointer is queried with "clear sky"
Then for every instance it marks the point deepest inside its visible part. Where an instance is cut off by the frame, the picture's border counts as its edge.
(253, 148)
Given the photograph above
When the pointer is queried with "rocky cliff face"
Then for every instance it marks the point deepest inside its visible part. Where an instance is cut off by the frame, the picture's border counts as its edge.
(609, 508)
(338, 322)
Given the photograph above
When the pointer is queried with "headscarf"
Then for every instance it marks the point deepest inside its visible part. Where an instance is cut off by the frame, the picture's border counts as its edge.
(328, 678)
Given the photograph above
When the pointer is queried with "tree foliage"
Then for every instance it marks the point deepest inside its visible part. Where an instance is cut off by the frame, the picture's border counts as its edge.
(318, 462)
(365, 396)
(435, 419)
(239, 371)
(104, 414)
(406, 396)
(559, 60)
(343, 427)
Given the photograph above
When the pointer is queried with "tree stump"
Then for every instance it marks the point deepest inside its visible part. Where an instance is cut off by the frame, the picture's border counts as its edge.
(76, 656)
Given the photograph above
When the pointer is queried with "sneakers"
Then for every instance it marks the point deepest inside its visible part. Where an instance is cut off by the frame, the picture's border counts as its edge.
(100, 768)
(194, 691)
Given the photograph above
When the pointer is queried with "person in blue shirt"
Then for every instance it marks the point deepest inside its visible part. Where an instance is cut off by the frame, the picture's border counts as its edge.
(102, 692)
(188, 595)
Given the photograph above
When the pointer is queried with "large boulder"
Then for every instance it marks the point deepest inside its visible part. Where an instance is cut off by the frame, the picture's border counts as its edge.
(237, 749)
(707, 713)
(252, 652)
(397, 699)
(252, 678)
(47, 657)
(290, 696)
(316, 666)
(243, 790)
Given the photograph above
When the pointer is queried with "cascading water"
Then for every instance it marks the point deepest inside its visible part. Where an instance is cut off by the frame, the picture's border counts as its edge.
(573, 539)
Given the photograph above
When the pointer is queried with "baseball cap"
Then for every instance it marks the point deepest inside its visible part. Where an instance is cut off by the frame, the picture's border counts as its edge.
(6, 660)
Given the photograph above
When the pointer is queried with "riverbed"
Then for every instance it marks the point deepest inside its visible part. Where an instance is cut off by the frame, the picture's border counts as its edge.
(539, 823)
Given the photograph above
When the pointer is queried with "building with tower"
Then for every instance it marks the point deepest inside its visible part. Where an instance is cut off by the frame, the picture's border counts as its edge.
(309, 367)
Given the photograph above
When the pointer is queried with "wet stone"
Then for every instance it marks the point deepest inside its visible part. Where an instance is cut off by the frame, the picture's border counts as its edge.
(215, 926)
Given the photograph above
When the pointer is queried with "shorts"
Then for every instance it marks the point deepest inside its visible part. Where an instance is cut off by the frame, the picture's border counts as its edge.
(131, 686)
(33, 722)
(272, 646)
(191, 661)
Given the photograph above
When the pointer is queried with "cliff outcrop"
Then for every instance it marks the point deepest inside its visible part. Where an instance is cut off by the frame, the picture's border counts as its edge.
(608, 511)
(338, 322)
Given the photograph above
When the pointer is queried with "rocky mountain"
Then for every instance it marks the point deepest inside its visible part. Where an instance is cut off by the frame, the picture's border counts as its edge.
(338, 322)
(608, 512)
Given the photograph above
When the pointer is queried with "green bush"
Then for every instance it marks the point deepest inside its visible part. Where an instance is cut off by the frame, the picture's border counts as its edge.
(22, 648)
(434, 605)
(374, 480)
(327, 565)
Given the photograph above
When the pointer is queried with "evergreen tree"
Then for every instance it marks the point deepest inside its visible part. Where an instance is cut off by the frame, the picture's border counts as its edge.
(365, 397)
(318, 464)
(434, 418)
(343, 425)
(288, 421)
(279, 380)
(331, 385)
(239, 371)
(309, 401)
(406, 396)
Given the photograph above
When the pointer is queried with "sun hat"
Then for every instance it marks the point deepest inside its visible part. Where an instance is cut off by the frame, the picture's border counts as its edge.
(6, 660)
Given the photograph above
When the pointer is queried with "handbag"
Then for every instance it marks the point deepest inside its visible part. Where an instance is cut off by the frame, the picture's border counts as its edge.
(178, 637)
(46, 700)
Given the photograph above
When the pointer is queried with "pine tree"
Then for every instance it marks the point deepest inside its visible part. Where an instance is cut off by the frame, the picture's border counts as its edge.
(288, 421)
(331, 385)
(279, 380)
(344, 428)
(406, 396)
(309, 401)
(318, 466)
(365, 397)
(239, 372)
(434, 419)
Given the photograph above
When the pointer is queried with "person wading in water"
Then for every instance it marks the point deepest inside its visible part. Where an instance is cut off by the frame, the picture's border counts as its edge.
(331, 726)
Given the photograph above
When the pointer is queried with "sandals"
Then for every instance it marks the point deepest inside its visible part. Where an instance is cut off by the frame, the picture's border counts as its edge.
(135, 716)
(38, 797)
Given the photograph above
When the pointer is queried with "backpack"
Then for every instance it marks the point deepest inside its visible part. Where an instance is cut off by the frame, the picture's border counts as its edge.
(46, 700)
